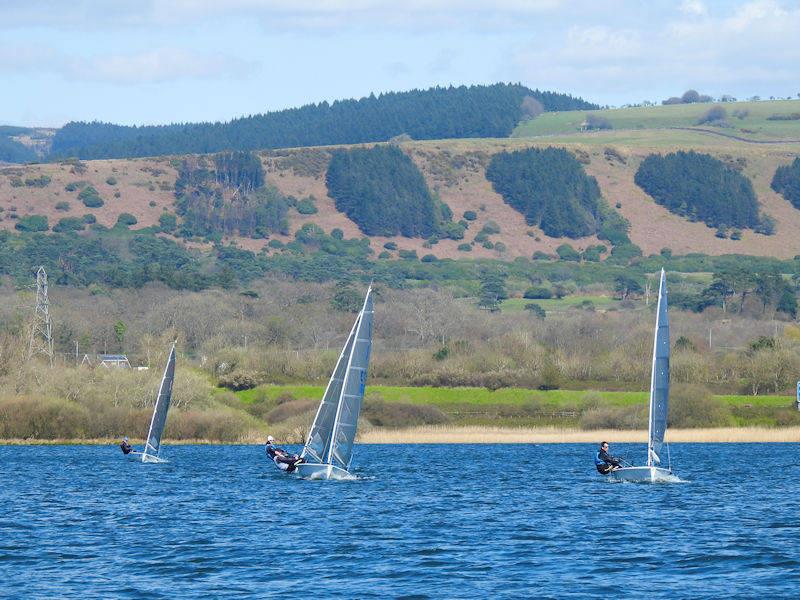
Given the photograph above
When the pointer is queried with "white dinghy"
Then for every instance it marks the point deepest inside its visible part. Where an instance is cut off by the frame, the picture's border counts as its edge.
(659, 403)
(159, 420)
(329, 448)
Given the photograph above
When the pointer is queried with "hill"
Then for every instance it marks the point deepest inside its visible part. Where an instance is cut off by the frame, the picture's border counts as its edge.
(756, 121)
(452, 112)
(455, 170)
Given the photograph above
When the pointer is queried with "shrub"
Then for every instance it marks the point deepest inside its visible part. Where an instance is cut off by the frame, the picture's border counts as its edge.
(69, 224)
(470, 215)
(390, 246)
(62, 206)
(568, 253)
(111, 180)
(73, 185)
(407, 254)
(277, 244)
(400, 414)
(464, 248)
(39, 182)
(126, 220)
(384, 255)
(694, 406)
(597, 122)
(238, 380)
(429, 258)
(713, 116)
(307, 206)
(614, 417)
(32, 223)
(500, 247)
(90, 197)
(536, 310)
(337, 233)
(490, 228)
(89, 219)
(538, 293)
(167, 222)
(292, 408)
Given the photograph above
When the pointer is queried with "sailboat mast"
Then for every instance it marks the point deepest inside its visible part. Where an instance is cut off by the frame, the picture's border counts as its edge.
(357, 326)
(650, 423)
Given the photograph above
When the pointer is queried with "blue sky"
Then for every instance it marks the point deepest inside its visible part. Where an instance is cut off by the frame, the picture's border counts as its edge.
(161, 61)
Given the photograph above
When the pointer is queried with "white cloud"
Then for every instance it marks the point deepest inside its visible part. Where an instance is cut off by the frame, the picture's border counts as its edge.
(153, 66)
(694, 8)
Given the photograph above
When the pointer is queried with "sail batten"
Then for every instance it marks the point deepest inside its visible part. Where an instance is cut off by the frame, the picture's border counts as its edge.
(352, 393)
(659, 378)
(319, 438)
(160, 409)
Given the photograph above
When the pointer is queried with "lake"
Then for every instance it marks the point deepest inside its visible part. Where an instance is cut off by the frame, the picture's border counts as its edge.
(427, 521)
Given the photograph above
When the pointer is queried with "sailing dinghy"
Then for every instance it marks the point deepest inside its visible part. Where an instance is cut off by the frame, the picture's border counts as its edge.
(329, 448)
(659, 403)
(159, 420)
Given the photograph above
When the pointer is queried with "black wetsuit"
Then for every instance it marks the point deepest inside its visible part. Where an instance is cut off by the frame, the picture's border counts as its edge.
(126, 447)
(282, 459)
(606, 463)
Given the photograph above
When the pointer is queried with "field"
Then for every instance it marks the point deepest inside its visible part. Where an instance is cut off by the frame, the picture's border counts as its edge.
(443, 397)
(754, 125)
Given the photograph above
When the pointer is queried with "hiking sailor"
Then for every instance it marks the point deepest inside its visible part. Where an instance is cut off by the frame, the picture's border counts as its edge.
(125, 446)
(282, 459)
(604, 462)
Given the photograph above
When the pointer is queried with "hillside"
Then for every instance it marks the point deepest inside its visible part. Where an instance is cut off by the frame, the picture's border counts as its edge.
(757, 121)
(455, 170)
(440, 112)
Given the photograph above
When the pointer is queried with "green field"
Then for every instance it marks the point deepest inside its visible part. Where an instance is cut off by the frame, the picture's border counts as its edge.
(755, 125)
(441, 397)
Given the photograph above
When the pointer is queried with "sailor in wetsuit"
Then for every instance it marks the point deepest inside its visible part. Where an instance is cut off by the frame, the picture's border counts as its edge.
(282, 459)
(125, 446)
(604, 462)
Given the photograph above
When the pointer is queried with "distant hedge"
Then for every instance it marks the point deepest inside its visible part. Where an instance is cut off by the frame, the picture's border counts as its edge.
(551, 189)
(786, 182)
(701, 188)
(383, 192)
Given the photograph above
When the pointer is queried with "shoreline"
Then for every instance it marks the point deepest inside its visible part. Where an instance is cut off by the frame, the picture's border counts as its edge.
(492, 435)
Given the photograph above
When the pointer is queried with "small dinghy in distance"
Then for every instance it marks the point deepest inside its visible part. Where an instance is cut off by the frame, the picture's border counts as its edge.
(159, 420)
(659, 403)
(329, 448)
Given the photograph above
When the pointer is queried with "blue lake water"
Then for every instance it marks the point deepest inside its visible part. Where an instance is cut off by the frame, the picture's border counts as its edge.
(421, 522)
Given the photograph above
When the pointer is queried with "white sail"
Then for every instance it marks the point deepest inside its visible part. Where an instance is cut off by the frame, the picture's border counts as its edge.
(355, 379)
(659, 378)
(319, 438)
(159, 419)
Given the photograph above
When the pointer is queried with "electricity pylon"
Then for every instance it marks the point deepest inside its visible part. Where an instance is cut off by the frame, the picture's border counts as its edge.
(41, 328)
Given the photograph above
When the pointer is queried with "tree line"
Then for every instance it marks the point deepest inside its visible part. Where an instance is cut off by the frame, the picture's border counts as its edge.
(786, 182)
(435, 113)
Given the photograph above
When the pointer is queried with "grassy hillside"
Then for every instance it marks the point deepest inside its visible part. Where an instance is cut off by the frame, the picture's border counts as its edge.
(455, 170)
(754, 123)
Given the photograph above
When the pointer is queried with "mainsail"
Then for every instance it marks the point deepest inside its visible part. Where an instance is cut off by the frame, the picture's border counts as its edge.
(344, 429)
(333, 432)
(659, 379)
(160, 409)
(319, 438)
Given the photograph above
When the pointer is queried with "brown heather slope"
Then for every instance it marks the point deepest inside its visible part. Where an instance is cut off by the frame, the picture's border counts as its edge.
(455, 169)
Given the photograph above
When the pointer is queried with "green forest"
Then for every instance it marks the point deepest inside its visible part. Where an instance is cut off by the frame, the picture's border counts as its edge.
(551, 189)
(384, 193)
(786, 182)
(449, 112)
(702, 188)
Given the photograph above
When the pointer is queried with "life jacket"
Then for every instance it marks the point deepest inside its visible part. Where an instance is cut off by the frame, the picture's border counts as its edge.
(598, 461)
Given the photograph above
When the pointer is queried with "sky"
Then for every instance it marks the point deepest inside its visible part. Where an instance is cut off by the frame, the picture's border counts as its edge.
(163, 61)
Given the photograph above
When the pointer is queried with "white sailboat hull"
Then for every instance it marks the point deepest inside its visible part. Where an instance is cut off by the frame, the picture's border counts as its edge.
(642, 475)
(321, 471)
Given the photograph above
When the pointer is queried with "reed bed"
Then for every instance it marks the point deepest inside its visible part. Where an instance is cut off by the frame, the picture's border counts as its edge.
(500, 435)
